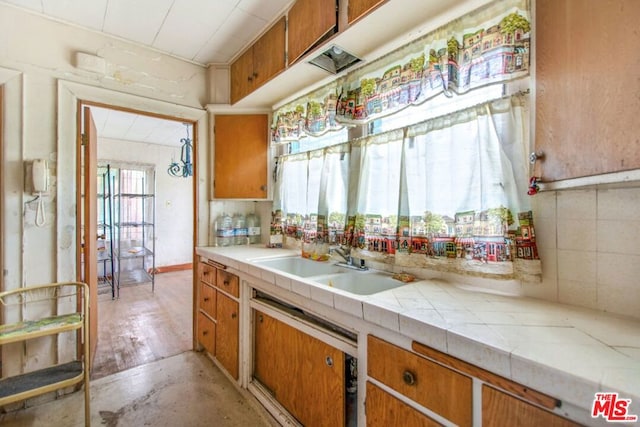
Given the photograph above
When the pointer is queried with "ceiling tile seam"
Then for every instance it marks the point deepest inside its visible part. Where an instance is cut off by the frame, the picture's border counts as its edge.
(164, 20)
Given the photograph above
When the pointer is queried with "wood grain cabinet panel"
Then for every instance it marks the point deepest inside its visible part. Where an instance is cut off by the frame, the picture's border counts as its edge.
(227, 330)
(309, 22)
(430, 384)
(502, 410)
(259, 63)
(240, 156)
(269, 54)
(357, 9)
(207, 274)
(207, 300)
(228, 282)
(241, 83)
(305, 375)
(586, 112)
(207, 333)
(384, 410)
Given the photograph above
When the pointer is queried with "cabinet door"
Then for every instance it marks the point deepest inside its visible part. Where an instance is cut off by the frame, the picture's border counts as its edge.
(240, 163)
(268, 54)
(586, 87)
(241, 76)
(304, 374)
(207, 300)
(228, 282)
(207, 333)
(385, 410)
(227, 333)
(502, 410)
(309, 22)
(359, 8)
(207, 274)
(432, 385)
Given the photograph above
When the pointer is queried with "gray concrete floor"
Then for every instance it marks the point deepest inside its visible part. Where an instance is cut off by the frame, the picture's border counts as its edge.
(182, 390)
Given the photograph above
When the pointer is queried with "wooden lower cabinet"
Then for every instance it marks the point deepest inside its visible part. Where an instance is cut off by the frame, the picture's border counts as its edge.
(500, 409)
(218, 316)
(305, 375)
(384, 410)
(207, 333)
(436, 387)
(227, 330)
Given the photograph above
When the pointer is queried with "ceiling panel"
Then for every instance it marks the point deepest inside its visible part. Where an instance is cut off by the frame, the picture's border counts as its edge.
(138, 21)
(125, 126)
(86, 13)
(205, 31)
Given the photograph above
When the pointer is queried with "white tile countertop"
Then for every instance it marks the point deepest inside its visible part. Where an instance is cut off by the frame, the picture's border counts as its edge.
(565, 351)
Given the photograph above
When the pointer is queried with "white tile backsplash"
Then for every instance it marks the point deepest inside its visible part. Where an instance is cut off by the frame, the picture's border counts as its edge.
(619, 204)
(577, 204)
(588, 246)
(618, 236)
(577, 234)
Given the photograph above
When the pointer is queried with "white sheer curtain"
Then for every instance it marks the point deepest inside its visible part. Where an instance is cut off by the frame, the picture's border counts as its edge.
(467, 168)
(473, 160)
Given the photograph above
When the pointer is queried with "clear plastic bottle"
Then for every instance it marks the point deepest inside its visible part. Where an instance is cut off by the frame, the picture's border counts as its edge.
(239, 229)
(253, 228)
(224, 231)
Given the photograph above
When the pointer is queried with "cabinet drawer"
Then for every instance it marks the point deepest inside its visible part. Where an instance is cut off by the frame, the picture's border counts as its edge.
(500, 409)
(207, 333)
(433, 386)
(207, 274)
(385, 410)
(207, 300)
(230, 283)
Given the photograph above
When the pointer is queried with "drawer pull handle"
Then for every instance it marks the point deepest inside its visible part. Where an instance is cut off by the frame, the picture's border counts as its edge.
(409, 378)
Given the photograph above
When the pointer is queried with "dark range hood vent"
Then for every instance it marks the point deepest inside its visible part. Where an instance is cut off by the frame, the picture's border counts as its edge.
(335, 59)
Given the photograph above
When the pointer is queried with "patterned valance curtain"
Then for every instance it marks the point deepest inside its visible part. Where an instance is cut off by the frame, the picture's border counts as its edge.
(489, 45)
(452, 187)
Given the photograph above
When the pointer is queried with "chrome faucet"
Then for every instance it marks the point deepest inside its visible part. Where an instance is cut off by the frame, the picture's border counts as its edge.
(345, 254)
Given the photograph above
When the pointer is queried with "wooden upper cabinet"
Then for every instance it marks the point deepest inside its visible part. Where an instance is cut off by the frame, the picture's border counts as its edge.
(260, 63)
(356, 9)
(240, 156)
(309, 22)
(587, 88)
(269, 54)
(242, 76)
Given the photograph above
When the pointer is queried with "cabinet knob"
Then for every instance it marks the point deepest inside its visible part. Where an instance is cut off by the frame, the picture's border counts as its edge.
(260, 318)
(329, 361)
(206, 299)
(409, 378)
(226, 283)
(205, 333)
(234, 315)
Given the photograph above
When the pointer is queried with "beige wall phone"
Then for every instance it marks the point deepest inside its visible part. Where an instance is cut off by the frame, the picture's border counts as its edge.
(40, 181)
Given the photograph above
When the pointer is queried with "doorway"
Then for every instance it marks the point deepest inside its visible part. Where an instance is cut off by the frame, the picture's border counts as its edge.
(146, 321)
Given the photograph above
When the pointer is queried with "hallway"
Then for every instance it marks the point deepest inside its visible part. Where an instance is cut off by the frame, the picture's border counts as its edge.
(143, 326)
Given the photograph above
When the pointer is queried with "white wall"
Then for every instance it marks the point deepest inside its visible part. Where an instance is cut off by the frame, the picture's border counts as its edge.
(173, 196)
(42, 88)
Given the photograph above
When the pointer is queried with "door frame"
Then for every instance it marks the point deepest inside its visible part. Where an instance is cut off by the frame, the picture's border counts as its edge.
(70, 96)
